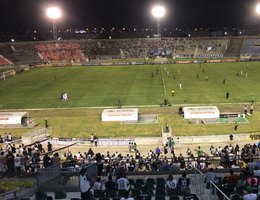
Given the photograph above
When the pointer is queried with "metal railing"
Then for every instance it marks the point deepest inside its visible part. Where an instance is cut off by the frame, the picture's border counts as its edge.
(11, 195)
(214, 188)
(213, 193)
(55, 178)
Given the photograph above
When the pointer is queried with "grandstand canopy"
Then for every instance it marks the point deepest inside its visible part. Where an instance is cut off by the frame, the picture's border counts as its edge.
(12, 118)
(201, 112)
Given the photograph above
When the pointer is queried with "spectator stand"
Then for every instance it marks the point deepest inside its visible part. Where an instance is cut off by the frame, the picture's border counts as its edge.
(54, 178)
(4, 61)
(212, 192)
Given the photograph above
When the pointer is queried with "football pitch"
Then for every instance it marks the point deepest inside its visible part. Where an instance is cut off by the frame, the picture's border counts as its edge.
(102, 86)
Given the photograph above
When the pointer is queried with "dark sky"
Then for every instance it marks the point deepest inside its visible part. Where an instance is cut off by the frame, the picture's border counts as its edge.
(30, 14)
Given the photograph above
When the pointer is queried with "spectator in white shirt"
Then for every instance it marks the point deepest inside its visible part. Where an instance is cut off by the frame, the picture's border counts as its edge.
(84, 185)
(123, 183)
(171, 184)
(97, 184)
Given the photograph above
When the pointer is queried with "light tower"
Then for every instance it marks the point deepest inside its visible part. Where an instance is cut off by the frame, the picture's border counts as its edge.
(54, 13)
(158, 12)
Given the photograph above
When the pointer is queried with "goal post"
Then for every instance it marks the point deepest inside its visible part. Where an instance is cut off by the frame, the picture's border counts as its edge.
(6, 74)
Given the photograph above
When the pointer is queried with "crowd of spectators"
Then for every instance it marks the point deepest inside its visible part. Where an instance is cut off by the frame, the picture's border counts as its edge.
(17, 159)
(91, 50)
(160, 159)
(140, 48)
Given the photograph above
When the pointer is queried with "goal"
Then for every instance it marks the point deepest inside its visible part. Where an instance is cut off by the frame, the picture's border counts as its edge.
(6, 74)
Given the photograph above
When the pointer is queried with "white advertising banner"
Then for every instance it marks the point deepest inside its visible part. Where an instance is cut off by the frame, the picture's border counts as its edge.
(112, 115)
(201, 112)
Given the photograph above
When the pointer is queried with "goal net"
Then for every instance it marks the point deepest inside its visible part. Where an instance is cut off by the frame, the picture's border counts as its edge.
(7, 74)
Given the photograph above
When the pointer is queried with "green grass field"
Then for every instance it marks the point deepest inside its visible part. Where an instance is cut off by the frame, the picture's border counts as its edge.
(134, 86)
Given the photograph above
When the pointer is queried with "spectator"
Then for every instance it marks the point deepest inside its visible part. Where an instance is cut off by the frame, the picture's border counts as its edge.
(252, 181)
(49, 146)
(110, 185)
(56, 160)
(248, 194)
(92, 139)
(184, 183)
(157, 152)
(10, 163)
(18, 163)
(84, 185)
(46, 161)
(190, 196)
(3, 163)
(232, 178)
(145, 194)
(126, 196)
(211, 176)
(97, 184)
(171, 184)
(35, 160)
(123, 184)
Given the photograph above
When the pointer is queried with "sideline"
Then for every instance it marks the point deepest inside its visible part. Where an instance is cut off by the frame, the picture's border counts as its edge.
(134, 106)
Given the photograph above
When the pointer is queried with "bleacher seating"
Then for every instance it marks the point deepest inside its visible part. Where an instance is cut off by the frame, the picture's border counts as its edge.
(139, 48)
(20, 52)
(251, 47)
(107, 49)
(60, 52)
(234, 47)
(4, 61)
(156, 190)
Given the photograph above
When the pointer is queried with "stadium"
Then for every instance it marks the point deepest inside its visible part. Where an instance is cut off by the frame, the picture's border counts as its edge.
(164, 97)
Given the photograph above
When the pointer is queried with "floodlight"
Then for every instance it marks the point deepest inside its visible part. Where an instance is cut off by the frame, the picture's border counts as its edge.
(158, 11)
(54, 13)
(257, 9)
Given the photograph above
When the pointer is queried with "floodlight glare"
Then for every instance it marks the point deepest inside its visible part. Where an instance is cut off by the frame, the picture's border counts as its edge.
(257, 9)
(54, 13)
(158, 11)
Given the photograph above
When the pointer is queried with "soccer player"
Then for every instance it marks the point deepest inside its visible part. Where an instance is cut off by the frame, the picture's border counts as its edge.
(172, 92)
(227, 95)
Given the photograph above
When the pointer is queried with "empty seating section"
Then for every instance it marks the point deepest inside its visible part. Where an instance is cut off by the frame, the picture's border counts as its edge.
(4, 61)
(251, 47)
(234, 47)
(20, 52)
(60, 52)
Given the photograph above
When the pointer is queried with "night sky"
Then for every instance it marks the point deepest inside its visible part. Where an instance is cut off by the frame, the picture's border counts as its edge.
(30, 14)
